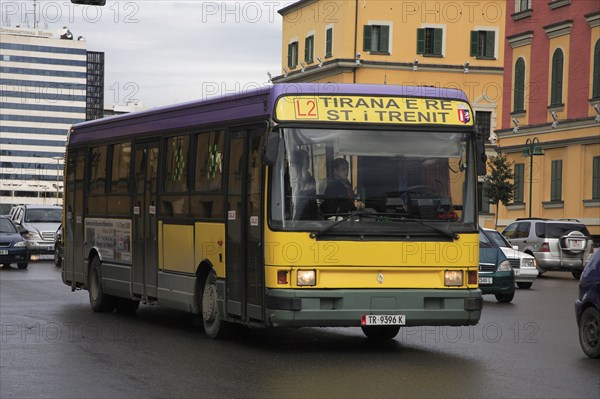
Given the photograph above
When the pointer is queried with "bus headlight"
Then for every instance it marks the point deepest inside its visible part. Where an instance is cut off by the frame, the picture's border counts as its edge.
(453, 278)
(306, 277)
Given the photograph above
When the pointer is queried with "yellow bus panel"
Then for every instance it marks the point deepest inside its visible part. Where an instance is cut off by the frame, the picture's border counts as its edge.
(210, 245)
(367, 277)
(298, 249)
(177, 248)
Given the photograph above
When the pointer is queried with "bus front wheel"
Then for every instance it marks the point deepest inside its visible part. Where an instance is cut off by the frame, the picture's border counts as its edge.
(214, 326)
(99, 301)
(380, 332)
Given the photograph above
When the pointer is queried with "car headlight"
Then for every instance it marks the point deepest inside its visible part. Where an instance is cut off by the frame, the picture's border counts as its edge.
(20, 244)
(32, 235)
(528, 262)
(504, 266)
(306, 277)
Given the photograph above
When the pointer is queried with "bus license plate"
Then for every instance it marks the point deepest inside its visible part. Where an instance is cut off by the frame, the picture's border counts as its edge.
(485, 280)
(384, 320)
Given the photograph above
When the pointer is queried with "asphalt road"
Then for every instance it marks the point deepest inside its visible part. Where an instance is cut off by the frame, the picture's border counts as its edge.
(53, 345)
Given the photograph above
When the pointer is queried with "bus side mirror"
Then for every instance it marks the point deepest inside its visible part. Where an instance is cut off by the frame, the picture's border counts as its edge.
(89, 2)
(481, 157)
(272, 148)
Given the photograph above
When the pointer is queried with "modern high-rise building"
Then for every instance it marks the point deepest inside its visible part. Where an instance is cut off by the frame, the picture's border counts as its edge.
(48, 82)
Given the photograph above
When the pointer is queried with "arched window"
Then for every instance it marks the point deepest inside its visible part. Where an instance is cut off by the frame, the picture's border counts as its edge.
(557, 78)
(519, 86)
(596, 74)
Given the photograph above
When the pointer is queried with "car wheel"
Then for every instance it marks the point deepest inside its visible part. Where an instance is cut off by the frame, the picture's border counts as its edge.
(576, 275)
(589, 332)
(127, 306)
(99, 301)
(214, 325)
(380, 332)
(57, 258)
(22, 265)
(505, 298)
(524, 285)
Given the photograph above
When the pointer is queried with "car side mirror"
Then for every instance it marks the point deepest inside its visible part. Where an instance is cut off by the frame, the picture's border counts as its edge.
(515, 247)
(23, 231)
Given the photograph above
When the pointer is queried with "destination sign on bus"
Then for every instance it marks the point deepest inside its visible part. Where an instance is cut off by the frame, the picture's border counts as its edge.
(387, 110)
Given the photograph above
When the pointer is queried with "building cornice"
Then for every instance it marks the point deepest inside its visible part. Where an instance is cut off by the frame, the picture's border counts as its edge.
(520, 39)
(558, 3)
(338, 65)
(540, 130)
(558, 29)
(593, 19)
(295, 6)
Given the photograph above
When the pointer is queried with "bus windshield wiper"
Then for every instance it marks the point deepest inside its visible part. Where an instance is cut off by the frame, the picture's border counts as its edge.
(447, 233)
(345, 217)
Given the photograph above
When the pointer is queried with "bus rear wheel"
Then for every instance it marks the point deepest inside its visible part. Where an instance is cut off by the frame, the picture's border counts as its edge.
(380, 332)
(214, 326)
(99, 301)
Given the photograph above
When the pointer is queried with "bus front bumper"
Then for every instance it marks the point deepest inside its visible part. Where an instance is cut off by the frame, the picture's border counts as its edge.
(345, 308)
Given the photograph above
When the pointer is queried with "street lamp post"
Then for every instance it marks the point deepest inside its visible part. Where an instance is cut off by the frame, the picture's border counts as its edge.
(532, 149)
(58, 159)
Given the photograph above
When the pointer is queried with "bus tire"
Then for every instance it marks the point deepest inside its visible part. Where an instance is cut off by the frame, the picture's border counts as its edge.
(127, 306)
(212, 320)
(380, 332)
(99, 301)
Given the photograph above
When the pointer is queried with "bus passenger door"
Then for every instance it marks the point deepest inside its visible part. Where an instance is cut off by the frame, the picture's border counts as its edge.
(145, 229)
(244, 260)
(73, 206)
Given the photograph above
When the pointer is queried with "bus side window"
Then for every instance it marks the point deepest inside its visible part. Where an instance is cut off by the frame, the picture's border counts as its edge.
(208, 201)
(176, 202)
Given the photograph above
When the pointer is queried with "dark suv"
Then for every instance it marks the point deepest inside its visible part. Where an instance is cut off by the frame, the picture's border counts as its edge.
(587, 307)
(562, 245)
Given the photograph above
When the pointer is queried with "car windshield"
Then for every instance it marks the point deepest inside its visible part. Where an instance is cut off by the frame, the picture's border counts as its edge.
(44, 215)
(6, 226)
(391, 177)
(498, 238)
(557, 230)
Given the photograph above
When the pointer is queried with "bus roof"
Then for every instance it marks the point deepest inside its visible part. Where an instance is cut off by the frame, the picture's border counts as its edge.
(236, 107)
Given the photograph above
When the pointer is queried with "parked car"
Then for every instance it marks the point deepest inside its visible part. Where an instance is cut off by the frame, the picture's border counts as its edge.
(587, 307)
(523, 264)
(58, 247)
(41, 223)
(561, 245)
(496, 276)
(13, 247)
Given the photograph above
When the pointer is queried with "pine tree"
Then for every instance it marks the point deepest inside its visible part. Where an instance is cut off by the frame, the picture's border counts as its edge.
(499, 187)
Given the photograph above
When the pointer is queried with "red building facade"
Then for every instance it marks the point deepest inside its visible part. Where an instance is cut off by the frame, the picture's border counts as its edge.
(551, 103)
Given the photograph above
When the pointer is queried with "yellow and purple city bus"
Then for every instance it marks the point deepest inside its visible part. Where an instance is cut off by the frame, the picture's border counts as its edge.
(205, 207)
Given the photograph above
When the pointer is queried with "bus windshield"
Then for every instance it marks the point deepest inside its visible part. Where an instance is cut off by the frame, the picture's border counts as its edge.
(380, 180)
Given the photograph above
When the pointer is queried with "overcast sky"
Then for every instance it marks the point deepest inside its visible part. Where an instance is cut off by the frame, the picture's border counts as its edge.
(163, 52)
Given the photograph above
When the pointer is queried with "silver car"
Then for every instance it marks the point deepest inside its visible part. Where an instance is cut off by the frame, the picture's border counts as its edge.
(561, 245)
(41, 223)
(523, 264)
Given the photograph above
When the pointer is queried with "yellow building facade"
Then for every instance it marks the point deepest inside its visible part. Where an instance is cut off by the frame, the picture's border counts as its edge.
(458, 44)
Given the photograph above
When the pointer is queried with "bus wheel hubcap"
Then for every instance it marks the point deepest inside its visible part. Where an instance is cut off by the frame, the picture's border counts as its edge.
(209, 303)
